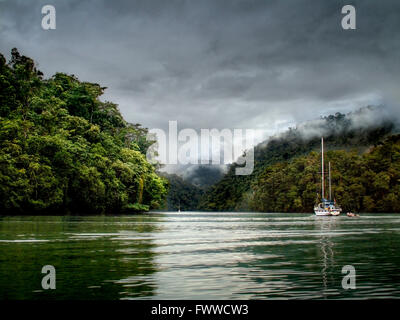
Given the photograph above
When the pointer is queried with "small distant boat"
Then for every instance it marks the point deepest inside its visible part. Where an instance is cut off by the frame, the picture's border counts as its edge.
(351, 214)
(326, 207)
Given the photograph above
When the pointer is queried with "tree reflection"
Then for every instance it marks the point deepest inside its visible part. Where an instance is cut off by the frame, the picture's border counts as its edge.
(99, 257)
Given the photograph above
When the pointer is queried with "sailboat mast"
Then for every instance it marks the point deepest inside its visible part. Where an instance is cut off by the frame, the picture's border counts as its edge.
(322, 160)
(330, 184)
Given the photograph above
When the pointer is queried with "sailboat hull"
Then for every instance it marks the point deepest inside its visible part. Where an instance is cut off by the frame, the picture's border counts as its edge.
(326, 212)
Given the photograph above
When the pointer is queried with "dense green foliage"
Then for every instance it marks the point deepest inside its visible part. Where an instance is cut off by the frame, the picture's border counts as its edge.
(182, 194)
(361, 183)
(234, 192)
(64, 150)
(185, 191)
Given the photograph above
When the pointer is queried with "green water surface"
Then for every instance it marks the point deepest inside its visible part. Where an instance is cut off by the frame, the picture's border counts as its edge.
(198, 255)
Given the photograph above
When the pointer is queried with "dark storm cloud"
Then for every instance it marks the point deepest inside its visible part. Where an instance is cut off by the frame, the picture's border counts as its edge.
(250, 64)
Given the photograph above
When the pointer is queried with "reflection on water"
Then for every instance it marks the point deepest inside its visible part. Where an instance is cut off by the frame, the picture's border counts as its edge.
(90, 254)
(327, 261)
(200, 256)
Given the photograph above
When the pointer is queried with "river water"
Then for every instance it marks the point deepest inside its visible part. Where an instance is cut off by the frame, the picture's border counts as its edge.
(195, 255)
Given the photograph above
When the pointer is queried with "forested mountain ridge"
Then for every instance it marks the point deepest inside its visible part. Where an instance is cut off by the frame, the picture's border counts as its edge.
(344, 132)
(369, 182)
(186, 190)
(182, 194)
(64, 150)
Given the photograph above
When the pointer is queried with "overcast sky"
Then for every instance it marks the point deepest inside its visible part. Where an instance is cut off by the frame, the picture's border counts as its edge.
(217, 64)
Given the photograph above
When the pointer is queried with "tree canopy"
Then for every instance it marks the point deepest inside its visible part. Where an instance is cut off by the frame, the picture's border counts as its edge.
(62, 149)
(363, 183)
(234, 193)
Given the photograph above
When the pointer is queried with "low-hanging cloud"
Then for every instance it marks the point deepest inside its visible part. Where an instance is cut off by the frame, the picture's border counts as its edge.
(367, 118)
(217, 64)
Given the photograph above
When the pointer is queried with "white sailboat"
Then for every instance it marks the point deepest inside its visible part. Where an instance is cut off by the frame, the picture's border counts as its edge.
(326, 207)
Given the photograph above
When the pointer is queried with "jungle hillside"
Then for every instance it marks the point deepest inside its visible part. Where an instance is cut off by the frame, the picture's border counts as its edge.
(362, 146)
(63, 150)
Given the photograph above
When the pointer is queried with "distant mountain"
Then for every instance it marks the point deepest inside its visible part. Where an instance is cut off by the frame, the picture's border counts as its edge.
(182, 194)
(186, 189)
(368, 182)
(203, 176)
(355, 131)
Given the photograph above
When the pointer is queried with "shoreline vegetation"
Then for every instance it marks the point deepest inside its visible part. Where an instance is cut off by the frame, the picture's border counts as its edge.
(64, 151)
(286, 178)
(369, 182)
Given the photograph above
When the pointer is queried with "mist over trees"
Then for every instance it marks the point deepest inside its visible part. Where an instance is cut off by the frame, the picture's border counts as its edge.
(63, 150)
(182, 194)
(356, 132)
(369, 182)
(186, 190)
